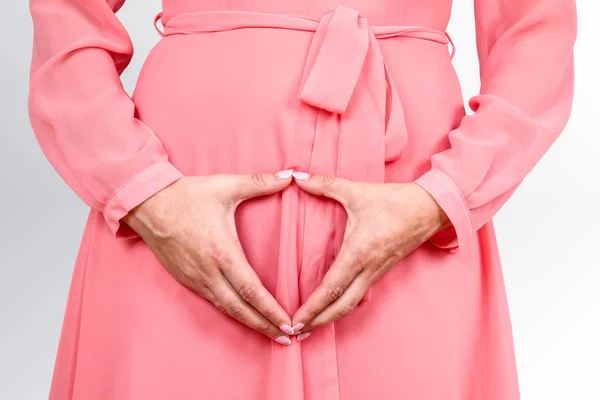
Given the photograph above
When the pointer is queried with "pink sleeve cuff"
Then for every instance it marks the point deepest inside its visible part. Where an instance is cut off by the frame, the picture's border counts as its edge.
(139, 188)
(450, 199)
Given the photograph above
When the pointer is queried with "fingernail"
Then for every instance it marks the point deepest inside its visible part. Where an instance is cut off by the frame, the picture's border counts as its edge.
(302, 336)
(283, 340)
(286, 329)
(296, 328)
(285, 174)
(301, 176)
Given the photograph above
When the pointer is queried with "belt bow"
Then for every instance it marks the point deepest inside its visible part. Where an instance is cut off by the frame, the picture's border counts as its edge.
(346, 74)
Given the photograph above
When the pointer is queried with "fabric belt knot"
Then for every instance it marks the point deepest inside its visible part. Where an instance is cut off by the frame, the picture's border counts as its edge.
(341, 42)
(345, 58)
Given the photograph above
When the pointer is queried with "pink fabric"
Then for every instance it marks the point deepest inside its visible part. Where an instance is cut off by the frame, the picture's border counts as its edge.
(366, 92)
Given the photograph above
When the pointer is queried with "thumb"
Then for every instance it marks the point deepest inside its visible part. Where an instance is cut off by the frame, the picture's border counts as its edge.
(260, 184)
(325, 185)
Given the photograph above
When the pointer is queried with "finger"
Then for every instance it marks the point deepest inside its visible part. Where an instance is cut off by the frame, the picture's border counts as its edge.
(229, 302)
(342, 272)
(247, 284)
(246, 186)
(343, 306)
(337, 188)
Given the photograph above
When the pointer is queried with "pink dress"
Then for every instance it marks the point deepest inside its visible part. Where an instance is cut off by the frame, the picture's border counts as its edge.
(362, 89)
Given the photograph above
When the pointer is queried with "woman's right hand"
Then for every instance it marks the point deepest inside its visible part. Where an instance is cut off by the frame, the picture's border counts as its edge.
(190, 227)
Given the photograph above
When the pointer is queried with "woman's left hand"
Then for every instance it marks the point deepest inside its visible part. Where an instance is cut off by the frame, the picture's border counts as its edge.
(386, 222)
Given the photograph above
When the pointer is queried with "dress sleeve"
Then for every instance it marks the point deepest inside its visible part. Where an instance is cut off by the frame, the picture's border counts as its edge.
(82, 117)
(525, 50)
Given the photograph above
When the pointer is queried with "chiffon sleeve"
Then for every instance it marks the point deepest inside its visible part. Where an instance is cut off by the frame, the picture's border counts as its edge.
(525, 50)
(81, 116)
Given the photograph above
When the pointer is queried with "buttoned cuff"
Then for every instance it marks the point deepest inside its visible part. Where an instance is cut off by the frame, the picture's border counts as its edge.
(451, 200)
(139, 188)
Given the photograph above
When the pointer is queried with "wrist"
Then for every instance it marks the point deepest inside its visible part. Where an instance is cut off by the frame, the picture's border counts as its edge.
(148, 216)
(435, 216)
(442, 219)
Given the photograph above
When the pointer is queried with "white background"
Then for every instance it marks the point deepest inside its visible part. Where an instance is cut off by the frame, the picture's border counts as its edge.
(548, 231)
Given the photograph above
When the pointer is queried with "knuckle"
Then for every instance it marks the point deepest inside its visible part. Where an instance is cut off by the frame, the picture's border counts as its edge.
(258, 179)
(346, 310)
(334, 292)
(220, 255)
(374, 245)
(234, 309)
(225, 261)
(327, 180)
(249, 293)
(363, 260)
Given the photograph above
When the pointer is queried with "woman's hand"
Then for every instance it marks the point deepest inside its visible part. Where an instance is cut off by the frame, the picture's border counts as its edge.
(190, 227)
(385, 223)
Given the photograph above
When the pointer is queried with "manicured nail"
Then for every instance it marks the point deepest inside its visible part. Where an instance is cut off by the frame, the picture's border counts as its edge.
(302, 336)
(301, 176)
(285, 174)
(284, 340)
(296, 328)
(285, 328)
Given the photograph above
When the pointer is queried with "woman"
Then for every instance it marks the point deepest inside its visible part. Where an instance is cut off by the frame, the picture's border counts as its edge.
(294, 204)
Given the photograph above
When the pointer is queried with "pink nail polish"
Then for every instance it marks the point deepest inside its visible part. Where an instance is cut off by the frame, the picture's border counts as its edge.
(285, 174)
(285, 328)
(297, 327)
(302, 336)
(283, 340)
(301, 176)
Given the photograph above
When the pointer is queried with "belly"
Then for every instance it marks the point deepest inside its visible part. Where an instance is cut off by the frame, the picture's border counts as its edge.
(228, 101)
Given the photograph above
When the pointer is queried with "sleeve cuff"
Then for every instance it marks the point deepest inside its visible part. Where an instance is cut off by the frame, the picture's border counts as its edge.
(139, 188)
(450, 199)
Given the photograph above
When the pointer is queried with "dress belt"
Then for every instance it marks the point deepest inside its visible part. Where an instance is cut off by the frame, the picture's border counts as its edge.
(345, 77)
